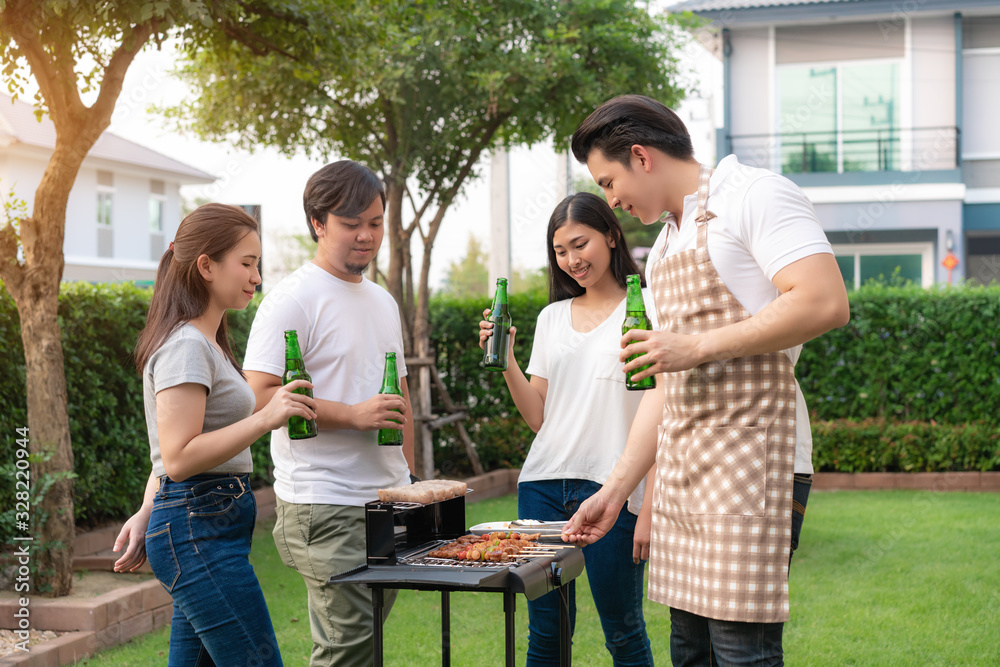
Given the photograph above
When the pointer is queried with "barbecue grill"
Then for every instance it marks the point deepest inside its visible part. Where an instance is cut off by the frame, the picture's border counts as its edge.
(399, 537)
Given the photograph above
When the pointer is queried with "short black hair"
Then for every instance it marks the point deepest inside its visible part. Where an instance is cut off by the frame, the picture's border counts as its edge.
(345, 188)
(627, 120)
(585, 208)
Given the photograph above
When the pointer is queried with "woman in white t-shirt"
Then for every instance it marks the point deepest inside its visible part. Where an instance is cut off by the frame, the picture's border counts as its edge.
(197, 517)
(577, 405)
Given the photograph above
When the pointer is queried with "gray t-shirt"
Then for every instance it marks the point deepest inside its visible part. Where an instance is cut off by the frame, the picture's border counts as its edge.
(187, 356)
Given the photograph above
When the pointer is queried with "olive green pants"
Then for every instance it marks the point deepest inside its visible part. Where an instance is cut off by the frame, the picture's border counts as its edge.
(319, 541)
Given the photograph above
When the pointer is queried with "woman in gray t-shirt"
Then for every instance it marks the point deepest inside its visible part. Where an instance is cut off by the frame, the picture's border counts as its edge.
(198, 513)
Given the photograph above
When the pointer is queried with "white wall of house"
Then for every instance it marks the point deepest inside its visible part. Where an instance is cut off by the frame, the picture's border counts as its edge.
(132, 256)
(911, 217)
(981, 99)
(933, 71)
(749, 77)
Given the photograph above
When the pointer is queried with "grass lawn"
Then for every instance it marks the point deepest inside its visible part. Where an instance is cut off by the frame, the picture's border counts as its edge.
(880, 578)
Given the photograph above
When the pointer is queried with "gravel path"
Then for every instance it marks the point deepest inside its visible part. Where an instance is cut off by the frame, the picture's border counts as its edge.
(9, 640)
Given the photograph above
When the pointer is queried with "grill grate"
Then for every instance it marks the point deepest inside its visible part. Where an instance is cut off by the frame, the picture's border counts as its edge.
(419, 557)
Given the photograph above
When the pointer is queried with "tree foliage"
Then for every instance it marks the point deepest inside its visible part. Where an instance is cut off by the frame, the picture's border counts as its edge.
(420, 89)
(77, 54)
(469, 276)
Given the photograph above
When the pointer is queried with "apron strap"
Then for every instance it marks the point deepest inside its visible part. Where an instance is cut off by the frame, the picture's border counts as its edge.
(703, 214)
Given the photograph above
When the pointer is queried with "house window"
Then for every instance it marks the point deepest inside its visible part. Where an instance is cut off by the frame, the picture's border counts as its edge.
(885, 262)
(156, 213)
(157, 244)
(157, 202)
(105, 206)
(105, 214)
(839, 117)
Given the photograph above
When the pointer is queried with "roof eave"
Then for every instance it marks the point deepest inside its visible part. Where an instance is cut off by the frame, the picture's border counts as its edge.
(833, 11)
(43, 153)
(193, 177)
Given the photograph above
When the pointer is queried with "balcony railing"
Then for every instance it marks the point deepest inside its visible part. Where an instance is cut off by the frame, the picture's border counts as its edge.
(892, 149)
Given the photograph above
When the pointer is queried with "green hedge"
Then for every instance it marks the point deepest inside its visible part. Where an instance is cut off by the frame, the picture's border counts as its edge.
(875, 445)
(911, 384)
(100, 324)
(502, 438)
(908, 355)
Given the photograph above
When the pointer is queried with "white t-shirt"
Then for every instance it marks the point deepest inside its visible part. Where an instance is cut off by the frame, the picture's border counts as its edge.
(588, 411)
(764, 223)
(344, 330)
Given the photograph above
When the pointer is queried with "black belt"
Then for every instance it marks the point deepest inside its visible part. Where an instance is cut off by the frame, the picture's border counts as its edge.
(228, 485)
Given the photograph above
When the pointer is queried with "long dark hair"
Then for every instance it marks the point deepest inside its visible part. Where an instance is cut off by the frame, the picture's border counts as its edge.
(588, 209)
(180, 293)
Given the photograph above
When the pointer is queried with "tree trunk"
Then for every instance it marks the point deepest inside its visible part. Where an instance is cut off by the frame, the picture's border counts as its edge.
(397, 251)
(48, 423)
(422, 319)
(37, 299)
(400, 285)
(34, 285)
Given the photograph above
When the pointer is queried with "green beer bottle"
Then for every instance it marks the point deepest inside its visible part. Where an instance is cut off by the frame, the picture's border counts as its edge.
(635, 318)
(390, 385)
(299, 428)
(495, 350)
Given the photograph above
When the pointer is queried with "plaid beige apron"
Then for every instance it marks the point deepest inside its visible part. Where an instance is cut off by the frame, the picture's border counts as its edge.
(722, 501)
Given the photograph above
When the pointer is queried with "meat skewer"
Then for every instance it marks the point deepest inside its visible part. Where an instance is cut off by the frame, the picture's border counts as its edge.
(493, 547)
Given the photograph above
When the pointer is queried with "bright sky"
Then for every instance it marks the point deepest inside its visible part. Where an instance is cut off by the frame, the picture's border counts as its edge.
(276, 182)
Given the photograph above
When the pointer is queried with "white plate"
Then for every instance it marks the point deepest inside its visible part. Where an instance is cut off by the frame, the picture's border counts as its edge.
(544, 528)
(489, 527)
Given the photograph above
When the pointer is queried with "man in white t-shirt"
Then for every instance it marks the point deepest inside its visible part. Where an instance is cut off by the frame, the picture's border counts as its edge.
(742, 275)
(345, 326)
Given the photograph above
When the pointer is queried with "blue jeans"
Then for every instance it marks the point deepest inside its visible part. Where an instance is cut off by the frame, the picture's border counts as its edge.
(696, 641)
(615, 581)
(198, 544)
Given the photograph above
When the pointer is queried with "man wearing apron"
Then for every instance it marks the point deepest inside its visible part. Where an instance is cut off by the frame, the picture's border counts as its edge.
(741, 276)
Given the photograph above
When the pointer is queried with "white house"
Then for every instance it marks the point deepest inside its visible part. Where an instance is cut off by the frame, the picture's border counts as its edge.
(883, 111)
(123, 209)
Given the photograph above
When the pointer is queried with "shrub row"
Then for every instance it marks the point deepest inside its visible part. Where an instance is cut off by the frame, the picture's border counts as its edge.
(908, 355)
(99, 325)
(911, 383)
(875, 445)
(872, 445)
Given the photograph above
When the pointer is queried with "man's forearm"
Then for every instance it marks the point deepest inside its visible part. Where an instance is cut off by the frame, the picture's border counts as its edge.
(795, 317)
(333, 415)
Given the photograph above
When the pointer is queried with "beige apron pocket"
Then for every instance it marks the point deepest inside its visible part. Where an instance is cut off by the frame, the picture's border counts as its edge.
(726, 469)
